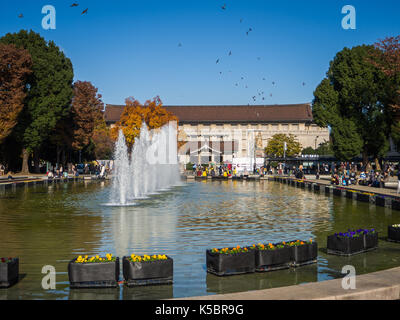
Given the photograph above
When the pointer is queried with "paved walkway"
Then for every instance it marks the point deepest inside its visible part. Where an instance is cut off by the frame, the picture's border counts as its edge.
(382, 191)
(381, 285)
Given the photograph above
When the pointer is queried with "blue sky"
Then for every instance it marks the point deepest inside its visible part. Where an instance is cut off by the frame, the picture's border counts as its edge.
(131, 48)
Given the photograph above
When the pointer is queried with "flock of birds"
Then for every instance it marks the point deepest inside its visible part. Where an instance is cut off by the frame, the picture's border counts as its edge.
(21, 15)
(259, 94)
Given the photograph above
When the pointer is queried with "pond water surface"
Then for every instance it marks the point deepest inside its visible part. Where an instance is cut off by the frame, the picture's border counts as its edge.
(50, 225)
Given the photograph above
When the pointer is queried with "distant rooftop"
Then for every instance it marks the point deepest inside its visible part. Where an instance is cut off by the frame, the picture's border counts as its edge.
(229, 114)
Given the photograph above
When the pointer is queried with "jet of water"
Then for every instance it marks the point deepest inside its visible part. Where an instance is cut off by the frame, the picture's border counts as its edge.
(151, 167)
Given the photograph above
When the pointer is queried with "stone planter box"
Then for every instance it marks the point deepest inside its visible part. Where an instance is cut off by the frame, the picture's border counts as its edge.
(305, 254)
(9, 273)
(380, 201)
(371, 241)
(230, 264)
(328, 190)
(93, 275)
(344, 245)
(269, 260)
(393, 234)
(148, 272)
(337, 192)
(347, 246)
(349, 194)
(395, 204)
(363, 197)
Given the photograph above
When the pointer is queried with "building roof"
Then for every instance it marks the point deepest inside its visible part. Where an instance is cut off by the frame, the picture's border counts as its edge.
(229, 114)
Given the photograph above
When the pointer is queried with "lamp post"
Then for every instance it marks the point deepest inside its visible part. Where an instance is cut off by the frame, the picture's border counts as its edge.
(284, 153)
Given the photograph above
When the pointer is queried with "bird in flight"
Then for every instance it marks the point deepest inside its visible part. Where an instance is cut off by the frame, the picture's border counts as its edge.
(180, 45)
(20, 15)
(258, 58)
(74, 5)
(224, 6)
(263, 79)
(273, 83)
(241, 20)
(85, 11)
(217, 61)
(270, 95)
(250, 29)
(230, 53)
(304, 84)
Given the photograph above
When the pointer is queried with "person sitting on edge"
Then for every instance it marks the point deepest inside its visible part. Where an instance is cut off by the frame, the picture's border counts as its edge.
(225, 174)
(362, 178)
(353, 177)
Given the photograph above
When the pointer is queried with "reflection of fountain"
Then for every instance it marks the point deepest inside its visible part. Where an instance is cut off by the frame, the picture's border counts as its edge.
(152, 166)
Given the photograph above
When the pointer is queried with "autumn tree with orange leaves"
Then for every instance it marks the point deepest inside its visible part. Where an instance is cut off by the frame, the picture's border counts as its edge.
(387, 59)
(15, 67)
(152, 113)
(86, 111)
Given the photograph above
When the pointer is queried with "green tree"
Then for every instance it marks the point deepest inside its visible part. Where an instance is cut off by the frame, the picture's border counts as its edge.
(325, 149)
(351, 100)
(309, 151)
(49, 92)
(275, 147)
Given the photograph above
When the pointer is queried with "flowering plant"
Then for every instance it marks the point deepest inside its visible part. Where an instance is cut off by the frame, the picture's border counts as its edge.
(144, 258)
(234, 250)
(269, 246)
(5, 260)
(299, 243)
(355, 234)
(86, 259)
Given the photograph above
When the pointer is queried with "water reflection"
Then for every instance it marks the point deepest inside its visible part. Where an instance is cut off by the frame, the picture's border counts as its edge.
(51, 224)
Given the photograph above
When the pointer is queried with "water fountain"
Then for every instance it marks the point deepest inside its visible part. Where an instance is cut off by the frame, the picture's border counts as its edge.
(151, 167)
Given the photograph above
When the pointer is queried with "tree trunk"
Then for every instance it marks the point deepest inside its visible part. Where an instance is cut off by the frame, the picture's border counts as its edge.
(58, 156)
(25, 158)
(377, 165)
(365, 159)
(36, 161)
(63, 159)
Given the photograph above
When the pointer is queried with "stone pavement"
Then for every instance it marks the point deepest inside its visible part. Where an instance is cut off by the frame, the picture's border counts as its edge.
(383, 191)
(381, 285)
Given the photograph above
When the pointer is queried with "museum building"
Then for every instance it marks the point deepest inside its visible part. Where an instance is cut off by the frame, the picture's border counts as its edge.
(237, 132)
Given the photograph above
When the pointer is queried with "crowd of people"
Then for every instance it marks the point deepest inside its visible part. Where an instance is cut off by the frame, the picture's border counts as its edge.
(99, 170)
(341, 174)
(357, 174)
(225, 170)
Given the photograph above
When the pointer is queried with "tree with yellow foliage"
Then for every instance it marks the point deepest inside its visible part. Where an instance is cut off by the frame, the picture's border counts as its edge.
(152, 113)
